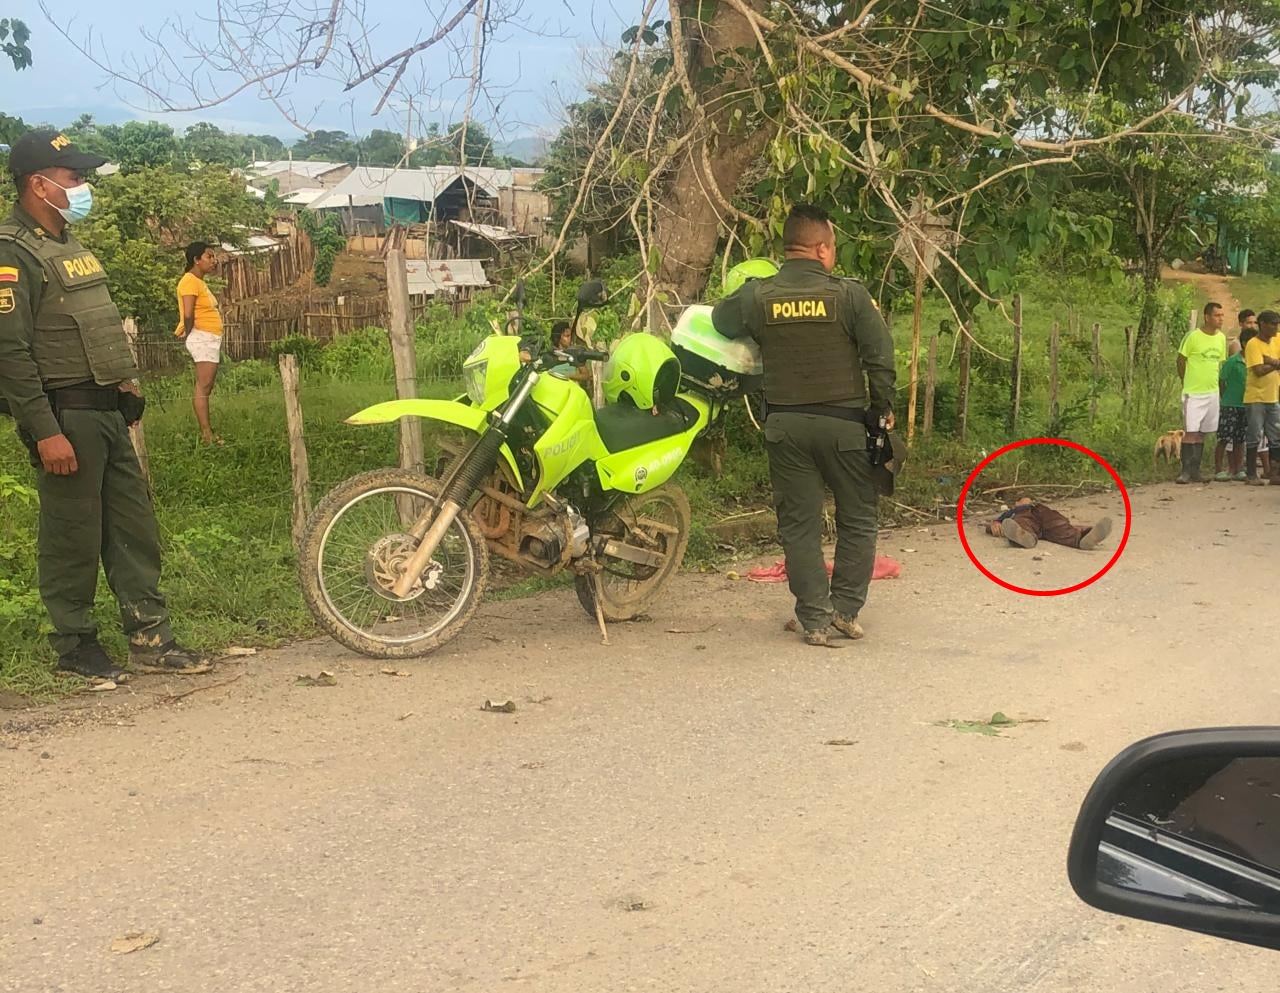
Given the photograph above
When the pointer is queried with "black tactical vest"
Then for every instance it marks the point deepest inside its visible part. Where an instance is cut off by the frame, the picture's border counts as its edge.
(78, 334)
(808, 352)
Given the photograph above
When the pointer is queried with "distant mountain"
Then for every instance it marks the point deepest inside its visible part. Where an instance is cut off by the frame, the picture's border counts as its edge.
(529, 149)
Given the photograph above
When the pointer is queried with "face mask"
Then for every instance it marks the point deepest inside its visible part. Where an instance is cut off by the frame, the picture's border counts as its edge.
(79, 201)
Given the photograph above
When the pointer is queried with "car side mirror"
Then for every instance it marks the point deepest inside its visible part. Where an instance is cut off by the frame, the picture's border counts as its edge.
(1183, 829)
(592, 294)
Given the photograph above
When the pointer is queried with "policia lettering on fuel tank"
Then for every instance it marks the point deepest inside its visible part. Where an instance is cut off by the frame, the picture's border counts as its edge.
(801, 310)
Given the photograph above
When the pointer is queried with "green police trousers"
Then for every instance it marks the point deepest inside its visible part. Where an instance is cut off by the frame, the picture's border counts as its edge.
(809, 453)
(101, 511)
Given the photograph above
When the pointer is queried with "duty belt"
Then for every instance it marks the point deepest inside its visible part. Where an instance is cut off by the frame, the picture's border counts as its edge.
(858, 414)
(85, 396)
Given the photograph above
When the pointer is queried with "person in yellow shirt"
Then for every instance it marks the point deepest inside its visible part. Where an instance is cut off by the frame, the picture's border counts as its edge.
(200, 324)
(1262, 392)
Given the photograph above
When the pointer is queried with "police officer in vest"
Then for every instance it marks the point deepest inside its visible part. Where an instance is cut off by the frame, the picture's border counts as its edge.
(69, 380)
(828, 379)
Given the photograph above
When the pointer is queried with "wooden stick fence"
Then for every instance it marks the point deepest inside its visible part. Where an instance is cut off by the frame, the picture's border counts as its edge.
(962, 395)
(930, 384)
(1015, 379)
(298, 461)
(137, 433)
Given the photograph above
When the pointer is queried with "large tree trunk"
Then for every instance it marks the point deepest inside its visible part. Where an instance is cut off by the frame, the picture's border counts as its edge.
(689, 220)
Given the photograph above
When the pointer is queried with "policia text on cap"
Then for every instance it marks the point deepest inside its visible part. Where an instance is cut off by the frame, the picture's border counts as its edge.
(828, 374)
(69, 380)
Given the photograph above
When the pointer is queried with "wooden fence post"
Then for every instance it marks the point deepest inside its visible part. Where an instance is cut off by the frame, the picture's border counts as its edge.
(298, 463)
(962, 398)
(404, 357)
(930, 384)
(136, 433)
(915, 350)
(1053, 373)
(1128, 362)
(1015, 382)
(1097, 370)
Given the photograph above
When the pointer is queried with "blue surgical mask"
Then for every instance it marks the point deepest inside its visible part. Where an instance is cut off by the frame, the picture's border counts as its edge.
(79, 201)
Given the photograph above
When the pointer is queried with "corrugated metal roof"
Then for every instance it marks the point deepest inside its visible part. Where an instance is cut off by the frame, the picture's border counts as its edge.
(427, 278)
(370, 185)
(298, 167)
(492, 232)
(253, 244)
(305, 196)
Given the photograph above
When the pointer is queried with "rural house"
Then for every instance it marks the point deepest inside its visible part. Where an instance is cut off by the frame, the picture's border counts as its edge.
(371, 200)
(293, 177)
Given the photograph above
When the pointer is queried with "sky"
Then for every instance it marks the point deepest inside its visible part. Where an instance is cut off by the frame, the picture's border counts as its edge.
(532, 69)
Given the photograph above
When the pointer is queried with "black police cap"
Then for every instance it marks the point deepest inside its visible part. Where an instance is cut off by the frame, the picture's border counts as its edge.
(45, 148)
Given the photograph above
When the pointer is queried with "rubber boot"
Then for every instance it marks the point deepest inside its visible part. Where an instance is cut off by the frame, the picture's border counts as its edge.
(1251, 466)
(1185, 475)
(1197, 459)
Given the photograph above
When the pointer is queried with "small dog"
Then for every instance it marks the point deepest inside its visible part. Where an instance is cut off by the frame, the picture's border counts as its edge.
(1169, 445)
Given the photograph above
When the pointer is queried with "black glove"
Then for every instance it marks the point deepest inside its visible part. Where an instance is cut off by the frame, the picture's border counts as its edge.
(132, 406)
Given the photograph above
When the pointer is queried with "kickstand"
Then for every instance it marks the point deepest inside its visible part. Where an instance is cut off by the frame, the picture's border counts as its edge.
(604, 633)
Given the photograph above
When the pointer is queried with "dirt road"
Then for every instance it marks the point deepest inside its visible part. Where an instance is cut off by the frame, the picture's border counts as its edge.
(664, 814)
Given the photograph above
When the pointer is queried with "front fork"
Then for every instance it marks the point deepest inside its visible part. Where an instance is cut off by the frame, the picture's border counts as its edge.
(475, 468)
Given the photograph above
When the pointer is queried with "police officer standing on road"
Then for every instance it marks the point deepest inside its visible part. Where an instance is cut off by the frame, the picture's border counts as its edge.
(69, 379)
(828, 382)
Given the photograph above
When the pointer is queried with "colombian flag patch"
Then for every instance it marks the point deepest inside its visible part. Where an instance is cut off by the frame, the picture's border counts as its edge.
(8, 274)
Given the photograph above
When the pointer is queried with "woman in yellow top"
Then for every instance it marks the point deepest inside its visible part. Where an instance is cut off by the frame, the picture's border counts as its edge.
(200, 323)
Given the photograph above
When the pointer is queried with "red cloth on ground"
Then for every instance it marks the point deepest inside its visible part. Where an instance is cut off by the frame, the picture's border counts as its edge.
(885, 568)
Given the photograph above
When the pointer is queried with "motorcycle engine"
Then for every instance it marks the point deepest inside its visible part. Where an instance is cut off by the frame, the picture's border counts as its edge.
(545, 541)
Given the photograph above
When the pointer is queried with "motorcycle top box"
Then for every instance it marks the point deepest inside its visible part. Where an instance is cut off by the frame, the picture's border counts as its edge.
(710, 361)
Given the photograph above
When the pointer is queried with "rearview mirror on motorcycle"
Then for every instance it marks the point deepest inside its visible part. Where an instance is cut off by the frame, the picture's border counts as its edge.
(592, 294)
(1184, 829)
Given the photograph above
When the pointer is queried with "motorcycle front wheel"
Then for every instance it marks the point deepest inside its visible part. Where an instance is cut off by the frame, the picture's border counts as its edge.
(356, 547)
(657, 522)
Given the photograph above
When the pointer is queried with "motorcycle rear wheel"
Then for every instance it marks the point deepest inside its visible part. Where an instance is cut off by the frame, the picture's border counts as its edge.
(355, 547)
(659, 521)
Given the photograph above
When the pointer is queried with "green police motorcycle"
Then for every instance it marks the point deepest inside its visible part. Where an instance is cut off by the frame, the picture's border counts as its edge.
(395, 563)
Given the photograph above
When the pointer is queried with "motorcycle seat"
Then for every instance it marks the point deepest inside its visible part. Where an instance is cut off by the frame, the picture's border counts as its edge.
(622, 426)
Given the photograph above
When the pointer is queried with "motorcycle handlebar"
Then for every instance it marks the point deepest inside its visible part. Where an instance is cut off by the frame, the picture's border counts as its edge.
(575, 355)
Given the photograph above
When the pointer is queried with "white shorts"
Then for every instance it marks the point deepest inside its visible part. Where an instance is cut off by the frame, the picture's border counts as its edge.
(1200, 412)
(203, 346)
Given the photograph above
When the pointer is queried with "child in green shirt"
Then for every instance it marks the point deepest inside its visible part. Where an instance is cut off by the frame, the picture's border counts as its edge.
(1232, 422)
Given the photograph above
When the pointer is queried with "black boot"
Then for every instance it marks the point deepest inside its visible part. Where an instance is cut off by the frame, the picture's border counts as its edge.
(1197, 459)
(170, 659)
(90, 660)
(1186, 453)
(1251, 466)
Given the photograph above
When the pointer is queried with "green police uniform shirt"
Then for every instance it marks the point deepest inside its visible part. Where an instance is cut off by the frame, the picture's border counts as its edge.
(21, 285)
(58, 324)
(819, 297)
